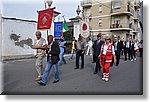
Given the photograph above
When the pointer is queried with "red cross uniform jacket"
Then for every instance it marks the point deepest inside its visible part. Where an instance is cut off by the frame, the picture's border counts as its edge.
(107, 52)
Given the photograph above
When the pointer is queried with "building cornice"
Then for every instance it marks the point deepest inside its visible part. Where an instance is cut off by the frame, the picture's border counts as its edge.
(100, 16)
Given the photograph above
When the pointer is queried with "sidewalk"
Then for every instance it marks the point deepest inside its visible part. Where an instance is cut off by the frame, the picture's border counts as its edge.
(24, 57)
(15, 58)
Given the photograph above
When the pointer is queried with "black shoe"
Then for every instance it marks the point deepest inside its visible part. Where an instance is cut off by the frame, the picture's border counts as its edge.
(55, 81)
(93, 62)
(95, 73)
(76, 68)
(41, 83)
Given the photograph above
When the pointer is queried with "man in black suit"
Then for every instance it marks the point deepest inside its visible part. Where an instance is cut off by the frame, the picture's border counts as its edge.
(97, 49)
(52, 62)
(118, 48)
(127, 49)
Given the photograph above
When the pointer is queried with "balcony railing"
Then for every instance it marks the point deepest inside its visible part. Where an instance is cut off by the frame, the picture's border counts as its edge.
(134, 28)
(136, 16)
(123, 9)
(137, 3)
(121, 25)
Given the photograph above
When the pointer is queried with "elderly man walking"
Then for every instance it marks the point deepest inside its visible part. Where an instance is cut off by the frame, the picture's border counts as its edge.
(39, 53)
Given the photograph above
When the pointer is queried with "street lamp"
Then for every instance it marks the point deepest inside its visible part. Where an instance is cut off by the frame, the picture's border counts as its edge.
(78, 10)
(49, 3)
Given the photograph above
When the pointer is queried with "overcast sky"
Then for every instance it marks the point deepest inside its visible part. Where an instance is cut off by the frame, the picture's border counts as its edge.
(27, 9)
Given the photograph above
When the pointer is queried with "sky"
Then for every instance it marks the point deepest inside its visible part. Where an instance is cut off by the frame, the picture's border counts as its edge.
(27, 9)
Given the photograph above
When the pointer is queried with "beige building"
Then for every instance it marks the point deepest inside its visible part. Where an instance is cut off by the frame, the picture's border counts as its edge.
(116, 17)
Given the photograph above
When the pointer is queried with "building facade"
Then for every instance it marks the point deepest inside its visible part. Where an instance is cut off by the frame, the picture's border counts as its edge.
(116, 17)
(76, 26)
(17, 38)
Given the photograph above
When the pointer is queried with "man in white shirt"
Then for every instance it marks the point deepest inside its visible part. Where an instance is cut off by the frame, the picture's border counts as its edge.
(89, 49)
(127, 49)
(118, 48)
(39, 53)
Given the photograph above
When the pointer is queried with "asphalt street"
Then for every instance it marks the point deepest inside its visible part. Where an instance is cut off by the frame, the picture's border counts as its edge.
(127, 78)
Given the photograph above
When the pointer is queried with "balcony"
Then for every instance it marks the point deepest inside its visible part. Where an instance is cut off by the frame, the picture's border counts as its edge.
(121, 26)
(122, 10)
(137, 4)
(134, 29)
(86, 3)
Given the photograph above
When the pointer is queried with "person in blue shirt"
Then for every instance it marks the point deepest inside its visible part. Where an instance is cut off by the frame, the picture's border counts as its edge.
(62, 51)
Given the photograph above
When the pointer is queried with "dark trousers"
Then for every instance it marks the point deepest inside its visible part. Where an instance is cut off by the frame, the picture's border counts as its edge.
(141, 52)
(78, 55)
(122, 52)
(117, 57)
(134, 53)
(97, 67)
(94, 58)
(128, 51)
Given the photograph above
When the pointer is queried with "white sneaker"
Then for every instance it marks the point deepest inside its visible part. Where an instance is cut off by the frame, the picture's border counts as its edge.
(131, 60)
(106, 79)
(103, 78)
(135, 59)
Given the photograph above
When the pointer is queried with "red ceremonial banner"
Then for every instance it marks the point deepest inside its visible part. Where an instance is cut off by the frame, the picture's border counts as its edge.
(45, 19)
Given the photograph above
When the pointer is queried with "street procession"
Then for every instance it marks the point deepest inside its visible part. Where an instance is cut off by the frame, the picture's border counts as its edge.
(97, 50)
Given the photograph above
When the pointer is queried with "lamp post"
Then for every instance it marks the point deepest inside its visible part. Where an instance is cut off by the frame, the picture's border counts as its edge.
(49, 3)
(78, 10)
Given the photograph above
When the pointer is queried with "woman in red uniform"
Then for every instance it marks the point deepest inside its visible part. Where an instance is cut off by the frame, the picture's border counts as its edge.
(106, 56)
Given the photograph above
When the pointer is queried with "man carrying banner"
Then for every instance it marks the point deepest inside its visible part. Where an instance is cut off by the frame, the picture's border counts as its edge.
(53, 53)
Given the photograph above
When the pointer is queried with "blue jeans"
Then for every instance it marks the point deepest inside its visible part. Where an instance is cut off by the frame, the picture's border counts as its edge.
(47, 71)
(62, 59)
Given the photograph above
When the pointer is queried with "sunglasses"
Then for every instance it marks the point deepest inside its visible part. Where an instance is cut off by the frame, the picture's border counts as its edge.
(107, 39)
(37, 35)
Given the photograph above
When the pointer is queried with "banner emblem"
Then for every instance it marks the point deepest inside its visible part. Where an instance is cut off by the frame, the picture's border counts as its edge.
(45, 19)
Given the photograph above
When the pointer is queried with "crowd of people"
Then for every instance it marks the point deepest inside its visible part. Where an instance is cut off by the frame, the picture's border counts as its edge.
(105, 52)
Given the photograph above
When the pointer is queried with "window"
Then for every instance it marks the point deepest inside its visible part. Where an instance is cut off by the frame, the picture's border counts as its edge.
(117, 22)
(87, 12)
(100, 22)
(117, 5)
(88, 1)
(100, 9)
